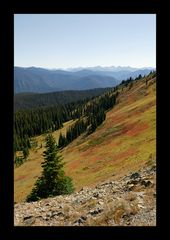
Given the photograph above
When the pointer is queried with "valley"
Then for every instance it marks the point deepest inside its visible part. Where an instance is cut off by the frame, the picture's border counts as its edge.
(124, 142)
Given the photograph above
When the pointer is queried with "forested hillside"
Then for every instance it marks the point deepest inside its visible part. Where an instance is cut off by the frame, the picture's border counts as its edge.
(35, 100)
(32, 122)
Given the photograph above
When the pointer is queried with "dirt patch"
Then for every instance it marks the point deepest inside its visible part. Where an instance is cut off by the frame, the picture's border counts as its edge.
(141, 109)
(74, 165)
(125, 154)
(21, 178)
(116, 119)
(137, 129)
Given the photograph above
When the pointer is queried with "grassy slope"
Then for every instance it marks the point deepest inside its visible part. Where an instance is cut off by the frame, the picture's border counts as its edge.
(26, 174)
(123, 143)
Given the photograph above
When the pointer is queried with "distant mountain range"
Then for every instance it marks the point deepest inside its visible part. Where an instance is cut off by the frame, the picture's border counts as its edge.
(40, 80)
(111, 68)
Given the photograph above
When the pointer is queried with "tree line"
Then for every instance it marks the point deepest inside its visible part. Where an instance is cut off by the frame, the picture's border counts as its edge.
(94, 113)
(32, 122)
(33, 100)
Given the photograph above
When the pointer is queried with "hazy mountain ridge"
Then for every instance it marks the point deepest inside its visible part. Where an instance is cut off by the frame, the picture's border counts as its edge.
(110, 68)
(42, 80)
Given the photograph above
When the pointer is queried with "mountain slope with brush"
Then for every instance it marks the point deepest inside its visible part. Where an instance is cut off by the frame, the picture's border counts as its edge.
(125, 142)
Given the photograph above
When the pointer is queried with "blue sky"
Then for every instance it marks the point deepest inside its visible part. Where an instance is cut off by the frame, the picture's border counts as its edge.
(74, 40)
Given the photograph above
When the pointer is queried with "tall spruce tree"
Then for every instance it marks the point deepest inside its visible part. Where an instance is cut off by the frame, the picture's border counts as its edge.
(53, 181)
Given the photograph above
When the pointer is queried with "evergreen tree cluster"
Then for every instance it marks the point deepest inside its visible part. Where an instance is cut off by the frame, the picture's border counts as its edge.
(96, 112)
(72, 133)
(96, 121)
(93, 114)
(139, 77)
(129, 80)
(21, 142)
(20, 160)
(32, 122)
(33, 100)
(151, 75)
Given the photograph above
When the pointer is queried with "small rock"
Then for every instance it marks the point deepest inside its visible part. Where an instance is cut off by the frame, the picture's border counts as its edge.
(146, 183)
(96, 211)
(100, 202)
(105, 184)
(80, 221)
(153, 168)
(92, 198)
(114, 191)
(59, 214)
(140, 206)
(135, 175)
(27, 217)
(84, 218)
(83, 189)
(136, 181)
(29, 220)
(131, 187)
(77, 224)
(49, 214)
(54, 213)
(96, 195)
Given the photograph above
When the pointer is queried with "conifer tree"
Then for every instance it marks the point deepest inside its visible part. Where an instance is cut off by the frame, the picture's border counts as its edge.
(25, 153)
(53, 181)
(61, 141)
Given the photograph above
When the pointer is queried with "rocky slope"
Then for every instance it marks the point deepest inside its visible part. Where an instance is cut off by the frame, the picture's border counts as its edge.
(130, 201)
